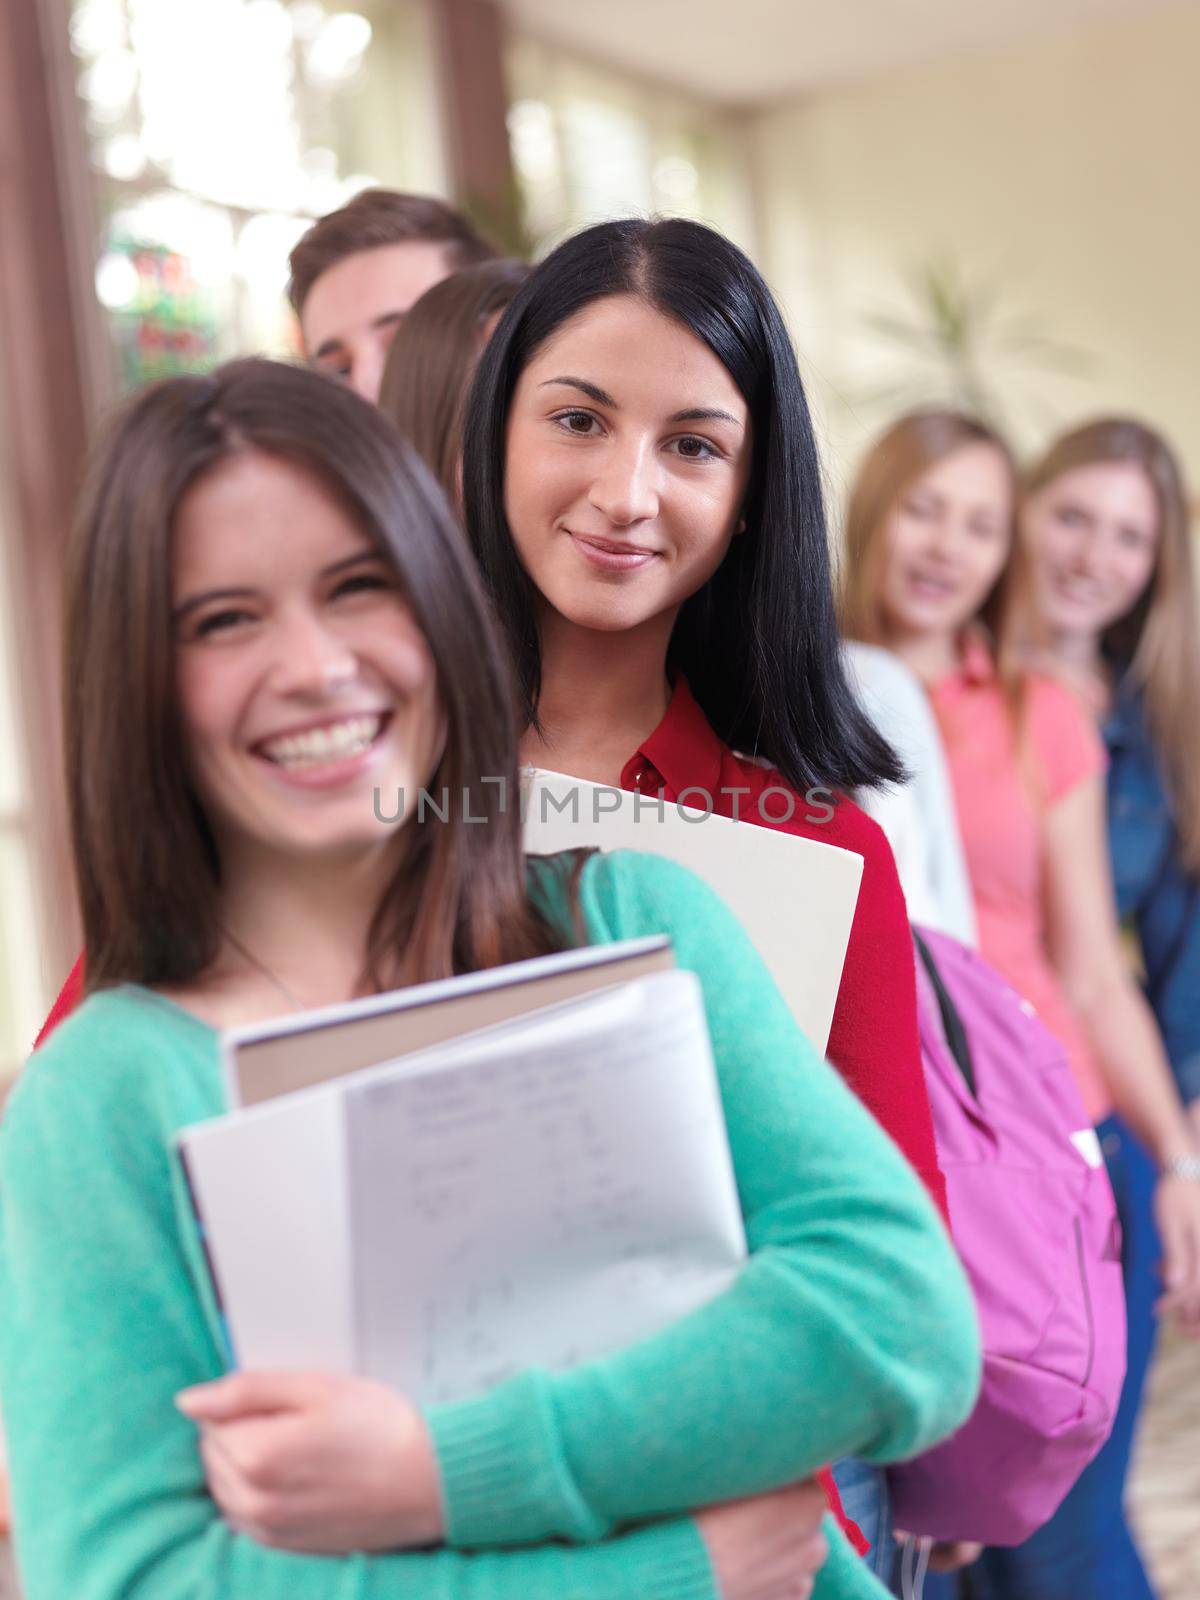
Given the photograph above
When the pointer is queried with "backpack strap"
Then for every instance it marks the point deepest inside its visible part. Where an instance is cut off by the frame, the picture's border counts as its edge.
(952, 1025)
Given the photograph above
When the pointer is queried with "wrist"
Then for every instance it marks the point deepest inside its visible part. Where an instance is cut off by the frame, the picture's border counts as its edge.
(1177, 1143)
(1185, 1165)
(426, 1486)
(406, 1486)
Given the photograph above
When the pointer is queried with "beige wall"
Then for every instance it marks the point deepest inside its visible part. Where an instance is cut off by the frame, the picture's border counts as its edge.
(1066, 172)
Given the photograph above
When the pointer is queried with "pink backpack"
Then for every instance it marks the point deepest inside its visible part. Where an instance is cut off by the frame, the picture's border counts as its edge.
(1033, 1218)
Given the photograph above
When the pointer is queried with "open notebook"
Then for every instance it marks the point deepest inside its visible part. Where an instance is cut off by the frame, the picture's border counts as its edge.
(540, 1192)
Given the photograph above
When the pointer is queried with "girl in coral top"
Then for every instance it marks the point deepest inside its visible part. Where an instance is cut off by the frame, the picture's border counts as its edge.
(643, 494)
(929, 534)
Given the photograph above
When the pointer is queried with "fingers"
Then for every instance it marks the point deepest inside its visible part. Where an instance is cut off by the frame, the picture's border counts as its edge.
(811, 1556)
(258, 1511)
(949, 1556)
(242, 1394)
(768, 1547)
(1184, 1307)
(808, 1509)
(1178, 1209)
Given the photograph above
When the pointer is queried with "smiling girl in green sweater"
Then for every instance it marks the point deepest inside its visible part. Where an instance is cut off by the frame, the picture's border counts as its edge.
(270, 617)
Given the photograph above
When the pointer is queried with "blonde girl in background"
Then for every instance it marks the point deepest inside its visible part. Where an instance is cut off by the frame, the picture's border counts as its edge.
(930, 574)
(1112, 607)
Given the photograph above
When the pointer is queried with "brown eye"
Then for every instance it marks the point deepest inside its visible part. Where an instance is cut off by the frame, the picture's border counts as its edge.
(221, 622)
(362, 582)
(577, 422)
(693, 448)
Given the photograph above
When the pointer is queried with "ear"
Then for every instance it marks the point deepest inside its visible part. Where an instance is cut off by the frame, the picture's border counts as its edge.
(739, 526)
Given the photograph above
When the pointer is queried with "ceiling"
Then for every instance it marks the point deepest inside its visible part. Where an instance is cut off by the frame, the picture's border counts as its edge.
(745, 52)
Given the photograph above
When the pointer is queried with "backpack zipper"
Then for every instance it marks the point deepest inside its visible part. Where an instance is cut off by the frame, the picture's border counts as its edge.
(1087, 1301)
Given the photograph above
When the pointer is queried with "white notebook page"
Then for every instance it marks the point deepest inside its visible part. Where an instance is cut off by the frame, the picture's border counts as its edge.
(543, 1194)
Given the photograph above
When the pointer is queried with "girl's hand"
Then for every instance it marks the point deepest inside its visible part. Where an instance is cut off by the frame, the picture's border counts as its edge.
(1177, 1211)
(951, 1555)
(946, 1555)
(770, 1547)
(316, 1463)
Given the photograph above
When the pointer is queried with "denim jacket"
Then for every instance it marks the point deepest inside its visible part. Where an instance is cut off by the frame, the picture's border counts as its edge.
(1155, 892)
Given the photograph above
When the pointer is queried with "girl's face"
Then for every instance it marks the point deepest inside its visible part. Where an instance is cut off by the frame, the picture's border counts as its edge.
(1093, 537)
(628, 456)
(303, 682)
(946, 542)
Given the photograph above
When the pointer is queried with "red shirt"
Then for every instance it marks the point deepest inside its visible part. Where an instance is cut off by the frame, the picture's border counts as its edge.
(873, 1040)
(69, 997)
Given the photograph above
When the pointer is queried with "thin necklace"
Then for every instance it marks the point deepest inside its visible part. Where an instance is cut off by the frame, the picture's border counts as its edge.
(261, 966)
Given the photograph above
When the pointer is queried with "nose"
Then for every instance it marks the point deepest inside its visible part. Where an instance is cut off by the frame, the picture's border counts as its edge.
(369, 362)
(366, 373)
(313, 659)
(625, 488)
(1086, 555)
(367, 368)
(944, 538)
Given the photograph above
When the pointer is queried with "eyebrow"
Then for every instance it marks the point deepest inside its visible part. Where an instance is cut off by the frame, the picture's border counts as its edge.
(691, 414)
(195, 601)
(336, 342)
(705, 414)
(592, 390)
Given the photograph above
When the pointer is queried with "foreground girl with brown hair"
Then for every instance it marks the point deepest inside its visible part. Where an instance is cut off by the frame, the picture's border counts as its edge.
(272, 592)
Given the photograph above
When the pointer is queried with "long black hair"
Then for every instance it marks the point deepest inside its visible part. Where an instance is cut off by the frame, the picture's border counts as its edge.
(758, 643)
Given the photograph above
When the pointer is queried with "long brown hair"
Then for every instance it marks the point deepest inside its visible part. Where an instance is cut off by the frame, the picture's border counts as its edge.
(147, 868)
(894, 462)
(432, 361)
(1155, 641)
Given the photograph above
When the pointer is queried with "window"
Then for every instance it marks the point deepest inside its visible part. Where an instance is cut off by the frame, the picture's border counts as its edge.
(589, 143)
(218, 129)
(23, 991)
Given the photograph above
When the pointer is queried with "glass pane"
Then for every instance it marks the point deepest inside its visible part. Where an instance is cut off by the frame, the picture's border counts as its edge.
(590, 142)
(218, 130)
(22, 1006)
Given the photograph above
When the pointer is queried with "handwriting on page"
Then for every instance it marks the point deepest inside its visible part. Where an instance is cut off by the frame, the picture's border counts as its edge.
(542, 1203)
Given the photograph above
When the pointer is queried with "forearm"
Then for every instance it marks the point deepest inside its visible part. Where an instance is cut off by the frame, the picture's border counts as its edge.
(851, 1328)
(143, 1558)
(1122, 1031)
(857, 1334)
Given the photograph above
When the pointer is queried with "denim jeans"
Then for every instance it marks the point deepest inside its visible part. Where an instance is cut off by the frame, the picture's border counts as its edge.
(865, 1500)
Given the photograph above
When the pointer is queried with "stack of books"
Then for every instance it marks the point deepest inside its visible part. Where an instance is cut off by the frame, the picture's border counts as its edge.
(447, 1185)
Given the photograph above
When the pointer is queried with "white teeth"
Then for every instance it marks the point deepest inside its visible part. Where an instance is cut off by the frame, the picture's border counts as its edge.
(321, 746)
(931, 585)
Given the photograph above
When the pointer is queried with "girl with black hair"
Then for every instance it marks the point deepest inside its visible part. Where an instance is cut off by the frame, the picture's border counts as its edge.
(643, 494)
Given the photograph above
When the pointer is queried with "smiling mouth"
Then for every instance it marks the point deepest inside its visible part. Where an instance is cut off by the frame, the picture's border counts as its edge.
(611, 554)
(323, 746)
(932, 588)
(1081, 593)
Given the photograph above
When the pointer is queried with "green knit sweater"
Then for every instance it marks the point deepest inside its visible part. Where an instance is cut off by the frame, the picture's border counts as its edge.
(850, 1330)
